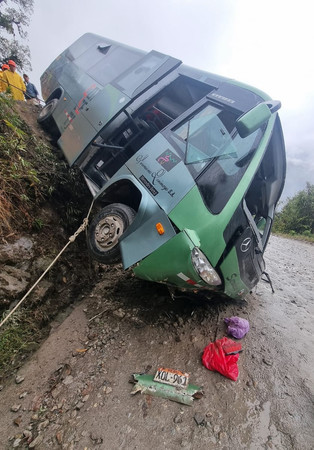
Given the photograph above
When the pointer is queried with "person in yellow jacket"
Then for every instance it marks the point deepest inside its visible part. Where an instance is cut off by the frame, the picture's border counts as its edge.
(14, 81)
(3, 85)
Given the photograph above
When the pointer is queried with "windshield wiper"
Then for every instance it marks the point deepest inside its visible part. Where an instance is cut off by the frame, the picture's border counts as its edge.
(245, 158)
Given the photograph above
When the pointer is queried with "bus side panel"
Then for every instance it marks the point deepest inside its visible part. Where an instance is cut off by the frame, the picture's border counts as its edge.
(90, 116)
(171, 263)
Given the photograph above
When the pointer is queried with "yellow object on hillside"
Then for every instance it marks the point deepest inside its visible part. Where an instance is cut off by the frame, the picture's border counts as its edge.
(2, 84)
(16, 84)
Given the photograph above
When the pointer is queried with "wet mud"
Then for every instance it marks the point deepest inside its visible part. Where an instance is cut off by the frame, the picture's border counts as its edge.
(76, 390)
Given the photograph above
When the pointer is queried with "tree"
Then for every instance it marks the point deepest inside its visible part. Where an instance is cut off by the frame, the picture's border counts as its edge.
(297, 215)
(14, 20)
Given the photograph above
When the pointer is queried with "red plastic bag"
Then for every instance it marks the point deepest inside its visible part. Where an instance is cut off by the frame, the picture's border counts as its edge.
(214, 358)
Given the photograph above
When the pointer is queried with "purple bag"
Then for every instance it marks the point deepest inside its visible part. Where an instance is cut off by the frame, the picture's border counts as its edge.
(237, 327)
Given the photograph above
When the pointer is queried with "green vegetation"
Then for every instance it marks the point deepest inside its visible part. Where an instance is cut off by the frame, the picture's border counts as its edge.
(30, 174)
(18, 337)
(297, 216)
(33, 176)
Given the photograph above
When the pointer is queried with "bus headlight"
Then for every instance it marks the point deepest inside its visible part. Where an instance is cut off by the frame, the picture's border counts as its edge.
(204, 268)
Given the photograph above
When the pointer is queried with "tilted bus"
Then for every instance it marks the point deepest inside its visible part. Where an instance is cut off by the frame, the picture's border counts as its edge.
(185, 167)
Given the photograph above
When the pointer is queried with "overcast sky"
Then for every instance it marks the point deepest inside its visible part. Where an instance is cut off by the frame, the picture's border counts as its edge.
(267, 44)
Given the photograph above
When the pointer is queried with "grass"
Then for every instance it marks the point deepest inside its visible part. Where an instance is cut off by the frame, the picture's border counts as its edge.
(17, 338)
(30, 174)
(19, 182)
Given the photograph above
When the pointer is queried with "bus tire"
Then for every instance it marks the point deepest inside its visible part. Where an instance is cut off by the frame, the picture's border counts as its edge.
(106, 229)
(46, 120)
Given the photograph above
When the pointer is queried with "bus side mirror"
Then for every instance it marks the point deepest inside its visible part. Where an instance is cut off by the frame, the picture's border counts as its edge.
(253, 119)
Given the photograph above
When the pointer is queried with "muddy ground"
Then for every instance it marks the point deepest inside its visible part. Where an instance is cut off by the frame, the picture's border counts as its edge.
(75, 392)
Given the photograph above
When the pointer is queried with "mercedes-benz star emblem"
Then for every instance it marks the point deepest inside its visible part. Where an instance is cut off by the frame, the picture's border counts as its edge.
(246, 244)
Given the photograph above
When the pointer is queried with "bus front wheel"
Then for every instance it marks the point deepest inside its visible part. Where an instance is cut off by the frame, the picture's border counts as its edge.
(106, 229)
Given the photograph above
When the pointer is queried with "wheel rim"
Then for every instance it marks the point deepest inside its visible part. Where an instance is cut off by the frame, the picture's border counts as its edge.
(46, 109)
(108, 231)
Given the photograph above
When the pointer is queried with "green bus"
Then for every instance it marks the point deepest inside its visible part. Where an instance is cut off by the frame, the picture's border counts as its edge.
(185, 167)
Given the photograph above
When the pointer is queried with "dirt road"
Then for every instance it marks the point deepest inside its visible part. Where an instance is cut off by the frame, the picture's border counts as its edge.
(76, 395)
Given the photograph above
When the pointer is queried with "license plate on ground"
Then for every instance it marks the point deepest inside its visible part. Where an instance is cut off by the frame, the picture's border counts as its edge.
(172, 377)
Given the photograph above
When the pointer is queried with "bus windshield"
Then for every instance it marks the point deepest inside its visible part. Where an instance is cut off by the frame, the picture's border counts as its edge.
(214, 152)
(211, 135)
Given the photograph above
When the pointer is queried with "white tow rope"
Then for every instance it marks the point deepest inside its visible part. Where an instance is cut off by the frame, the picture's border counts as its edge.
(71, 239)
